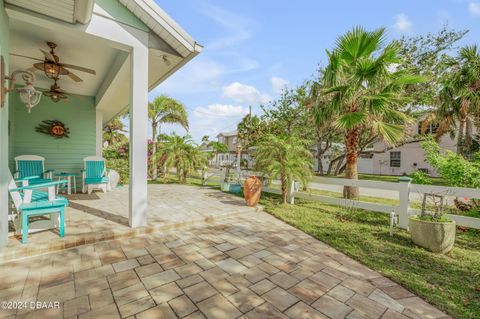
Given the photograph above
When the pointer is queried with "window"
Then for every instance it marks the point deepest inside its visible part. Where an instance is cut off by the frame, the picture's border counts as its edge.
(395, 159)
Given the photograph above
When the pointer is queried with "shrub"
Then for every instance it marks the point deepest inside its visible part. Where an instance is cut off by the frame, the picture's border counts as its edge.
(453, 167)
(420, 177)
(120, 165)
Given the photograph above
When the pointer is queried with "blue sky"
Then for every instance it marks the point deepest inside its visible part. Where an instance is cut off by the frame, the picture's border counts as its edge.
(255, 48)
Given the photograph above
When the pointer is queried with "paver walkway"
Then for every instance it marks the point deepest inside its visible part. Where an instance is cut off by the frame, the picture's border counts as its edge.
(250, 266)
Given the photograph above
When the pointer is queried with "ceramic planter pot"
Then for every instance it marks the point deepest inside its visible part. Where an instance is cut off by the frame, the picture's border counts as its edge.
(437, 237)
(252, 190)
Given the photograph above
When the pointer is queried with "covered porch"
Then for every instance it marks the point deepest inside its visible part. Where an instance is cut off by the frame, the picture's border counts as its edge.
(132, 45)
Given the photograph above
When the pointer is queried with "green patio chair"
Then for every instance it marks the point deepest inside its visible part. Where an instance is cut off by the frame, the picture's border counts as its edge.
(29, 202)
(32, 165)
(95, 175)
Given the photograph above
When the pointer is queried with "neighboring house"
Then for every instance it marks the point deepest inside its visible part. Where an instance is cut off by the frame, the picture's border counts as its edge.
(408, 157)
(230, 158)
(132, 45)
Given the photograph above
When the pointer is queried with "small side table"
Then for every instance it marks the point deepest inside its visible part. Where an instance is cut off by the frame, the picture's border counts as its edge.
(69, 177)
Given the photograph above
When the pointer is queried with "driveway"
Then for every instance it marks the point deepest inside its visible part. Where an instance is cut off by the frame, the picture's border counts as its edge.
(245, 266)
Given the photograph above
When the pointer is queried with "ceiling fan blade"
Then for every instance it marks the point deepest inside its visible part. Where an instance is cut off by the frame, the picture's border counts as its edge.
(32, 69)
(48, 56)
(26, 57)
(78, 68)
(74, 77)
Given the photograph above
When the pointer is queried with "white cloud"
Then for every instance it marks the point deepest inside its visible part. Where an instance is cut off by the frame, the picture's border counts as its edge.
(474, 8)
(199, 75)
(402, 23)
(245, 93)
(220, 111)
(278, 84)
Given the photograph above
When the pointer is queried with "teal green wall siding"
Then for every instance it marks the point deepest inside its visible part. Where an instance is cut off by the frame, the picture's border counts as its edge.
(120, 13)
(61, 155)
(4, 139)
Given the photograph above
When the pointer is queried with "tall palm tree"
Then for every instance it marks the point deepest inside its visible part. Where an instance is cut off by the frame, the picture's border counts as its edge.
(183, 154)
(164, 109)
(287, 158)
(459, 98)
(364, 93)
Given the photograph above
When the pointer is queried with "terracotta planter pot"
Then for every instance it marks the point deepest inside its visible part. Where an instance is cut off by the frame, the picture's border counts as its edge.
(252, 190)
(434, 236)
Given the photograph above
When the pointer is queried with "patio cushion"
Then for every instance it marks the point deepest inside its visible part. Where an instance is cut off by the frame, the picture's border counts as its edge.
(29, 168)
(94, 169)
(94, 180)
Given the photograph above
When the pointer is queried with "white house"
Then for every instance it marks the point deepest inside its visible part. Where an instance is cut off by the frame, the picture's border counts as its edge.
(407, 157)
(132, 45)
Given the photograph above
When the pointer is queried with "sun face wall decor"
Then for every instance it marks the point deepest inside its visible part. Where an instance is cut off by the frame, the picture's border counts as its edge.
(53, 128)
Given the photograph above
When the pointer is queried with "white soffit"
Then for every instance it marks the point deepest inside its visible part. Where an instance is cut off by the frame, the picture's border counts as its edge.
(161, 24)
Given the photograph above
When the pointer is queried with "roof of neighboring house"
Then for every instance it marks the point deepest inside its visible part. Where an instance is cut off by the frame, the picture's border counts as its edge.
(228, 134)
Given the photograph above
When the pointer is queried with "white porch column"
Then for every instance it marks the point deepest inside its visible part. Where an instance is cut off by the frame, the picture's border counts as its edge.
(98, 133)
(138, 136)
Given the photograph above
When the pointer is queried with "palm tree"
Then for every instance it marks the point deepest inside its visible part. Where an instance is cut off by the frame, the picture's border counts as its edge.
(287, 158)
(113, 132)
(164, 109)
(364, 93)
(183, 154)
(459, 99)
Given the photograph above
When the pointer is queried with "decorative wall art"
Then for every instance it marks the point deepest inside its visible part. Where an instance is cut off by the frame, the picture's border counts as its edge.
(53, 128)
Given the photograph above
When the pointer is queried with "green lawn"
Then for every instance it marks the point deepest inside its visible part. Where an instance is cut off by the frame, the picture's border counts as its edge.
(389, 178)
(450, 282)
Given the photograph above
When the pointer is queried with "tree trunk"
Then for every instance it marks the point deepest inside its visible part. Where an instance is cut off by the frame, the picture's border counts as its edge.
(339, 166)
(461, 136)
(184, 176)
(351, 169)
(284, 187)
(319, 157)
(154, 152)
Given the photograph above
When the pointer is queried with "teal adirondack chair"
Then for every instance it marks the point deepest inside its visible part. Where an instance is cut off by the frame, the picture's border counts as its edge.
(95, 175)
(32, 166)
(29, 201)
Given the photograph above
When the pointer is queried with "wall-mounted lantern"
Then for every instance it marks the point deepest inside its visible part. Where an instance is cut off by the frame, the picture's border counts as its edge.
(29, 96)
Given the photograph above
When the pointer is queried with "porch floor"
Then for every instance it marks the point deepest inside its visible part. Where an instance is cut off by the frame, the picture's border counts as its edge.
(104, 216)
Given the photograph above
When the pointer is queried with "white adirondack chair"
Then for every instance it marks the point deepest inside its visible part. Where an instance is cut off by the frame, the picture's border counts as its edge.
(95, 175)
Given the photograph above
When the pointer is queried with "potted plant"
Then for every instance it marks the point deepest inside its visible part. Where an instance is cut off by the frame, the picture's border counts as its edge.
(433, 230)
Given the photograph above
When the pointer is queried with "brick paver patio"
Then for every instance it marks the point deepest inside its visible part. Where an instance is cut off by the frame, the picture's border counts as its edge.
(97, 217)
(249, 266)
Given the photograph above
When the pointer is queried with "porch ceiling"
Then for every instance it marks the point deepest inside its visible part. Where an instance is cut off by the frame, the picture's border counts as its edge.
(83, 50)
(66, 10)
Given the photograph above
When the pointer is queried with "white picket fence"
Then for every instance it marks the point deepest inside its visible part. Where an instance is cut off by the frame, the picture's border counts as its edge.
(404, 189)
